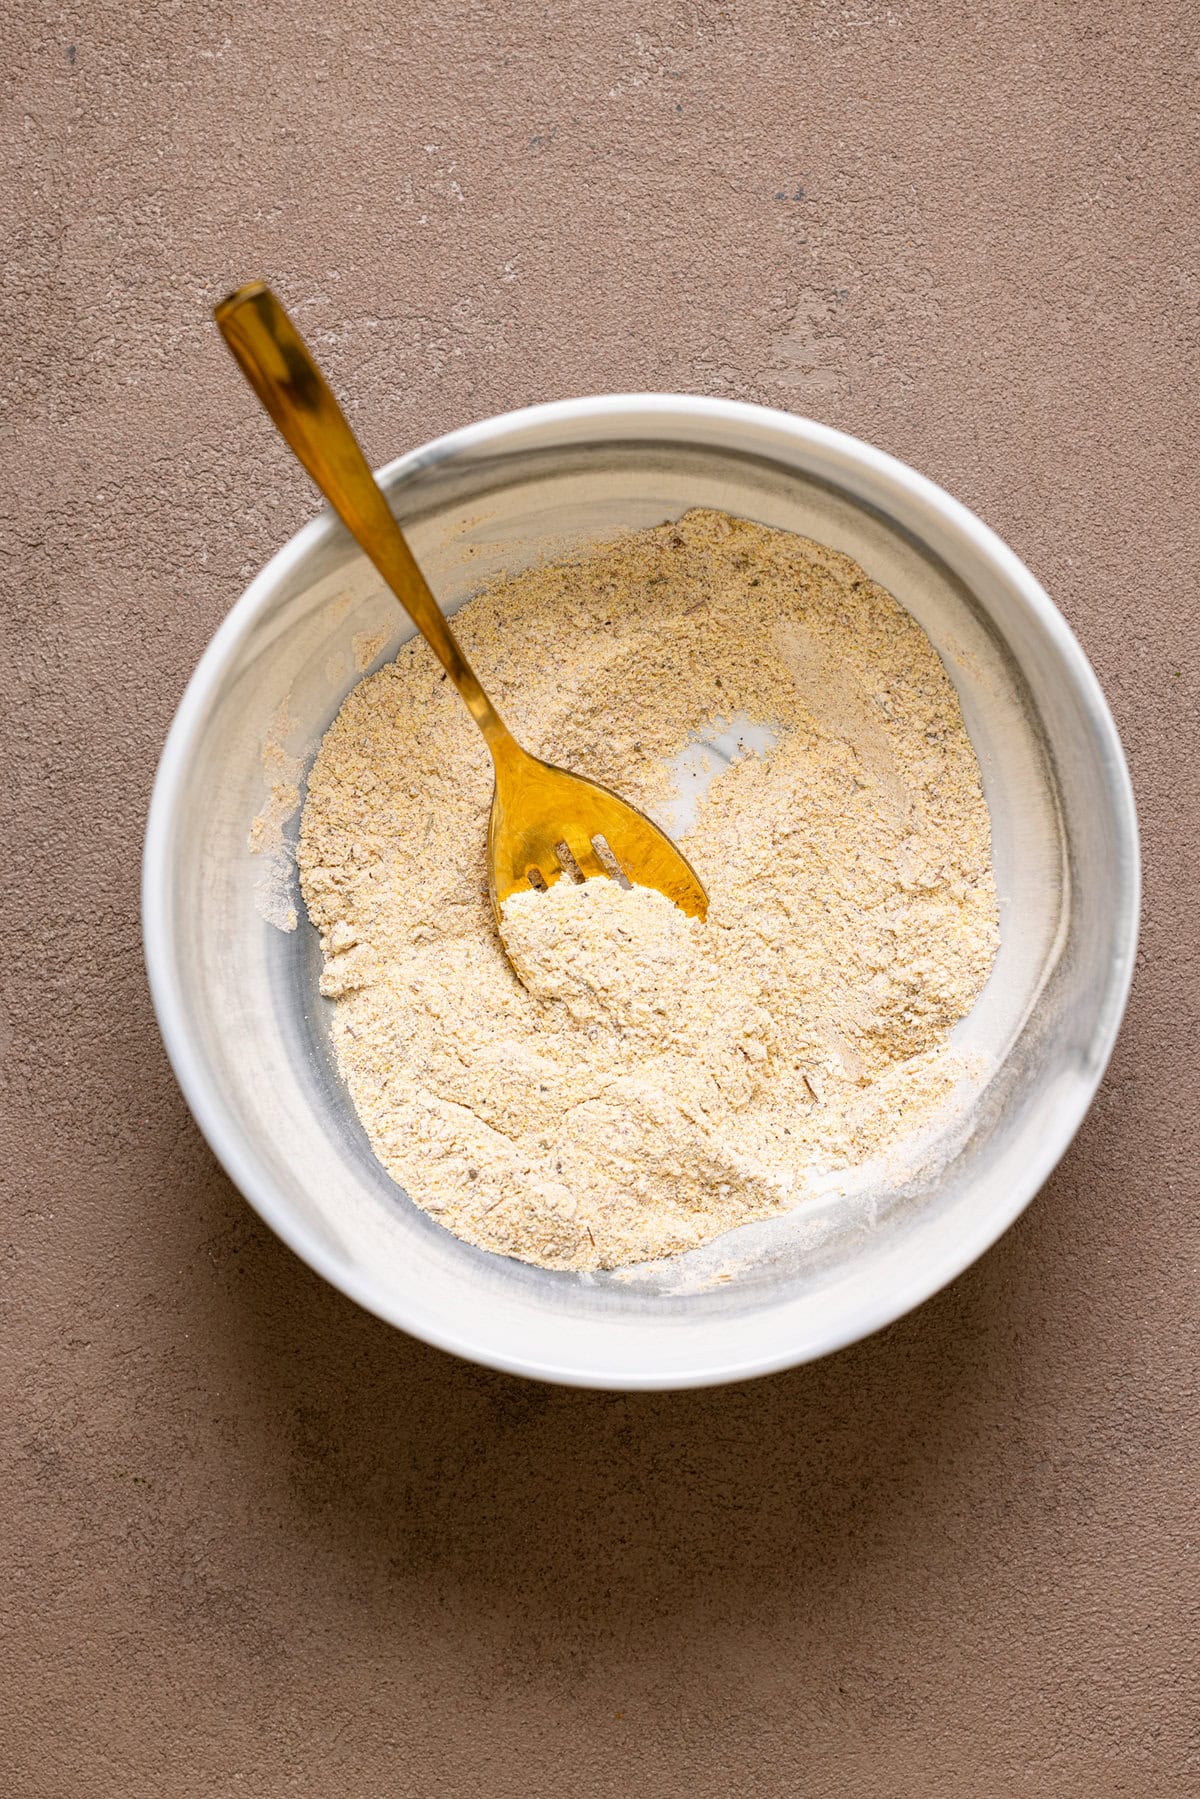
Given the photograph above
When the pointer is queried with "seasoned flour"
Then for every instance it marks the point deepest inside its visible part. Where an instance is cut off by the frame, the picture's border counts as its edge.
(653, 1081)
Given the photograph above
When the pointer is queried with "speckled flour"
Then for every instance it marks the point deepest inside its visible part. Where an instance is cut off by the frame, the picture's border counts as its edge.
(653, 1081)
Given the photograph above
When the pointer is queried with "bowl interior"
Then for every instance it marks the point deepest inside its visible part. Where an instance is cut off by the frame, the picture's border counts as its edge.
(234, 962)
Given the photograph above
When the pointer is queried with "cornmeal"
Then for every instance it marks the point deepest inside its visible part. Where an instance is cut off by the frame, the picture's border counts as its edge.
(652, 1081)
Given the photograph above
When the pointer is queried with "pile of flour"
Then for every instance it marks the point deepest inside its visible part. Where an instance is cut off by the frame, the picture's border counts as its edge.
(652, 1081)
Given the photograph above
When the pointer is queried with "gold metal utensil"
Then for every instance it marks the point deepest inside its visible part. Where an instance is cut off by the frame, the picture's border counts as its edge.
(545, 822)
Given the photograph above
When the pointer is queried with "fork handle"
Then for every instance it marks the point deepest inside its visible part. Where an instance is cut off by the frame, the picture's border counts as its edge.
(283, 373)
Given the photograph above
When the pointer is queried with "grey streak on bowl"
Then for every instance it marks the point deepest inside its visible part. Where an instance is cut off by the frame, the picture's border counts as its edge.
(1066, 852)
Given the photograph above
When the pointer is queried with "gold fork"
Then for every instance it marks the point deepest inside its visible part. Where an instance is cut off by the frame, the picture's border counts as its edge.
(545, 823)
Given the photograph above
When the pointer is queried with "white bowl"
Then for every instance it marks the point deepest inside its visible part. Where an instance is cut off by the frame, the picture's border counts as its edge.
(237, 996)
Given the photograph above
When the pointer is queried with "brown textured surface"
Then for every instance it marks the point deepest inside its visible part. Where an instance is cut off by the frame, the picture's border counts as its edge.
(255, 1542)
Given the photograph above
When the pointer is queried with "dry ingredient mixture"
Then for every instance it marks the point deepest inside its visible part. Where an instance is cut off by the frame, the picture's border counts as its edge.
(654, 1081)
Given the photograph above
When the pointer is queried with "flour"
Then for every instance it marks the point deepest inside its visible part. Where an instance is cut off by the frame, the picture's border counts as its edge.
(652, 1081)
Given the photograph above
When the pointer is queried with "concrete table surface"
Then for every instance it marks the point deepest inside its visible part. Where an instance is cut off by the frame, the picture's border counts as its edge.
(257, 1543)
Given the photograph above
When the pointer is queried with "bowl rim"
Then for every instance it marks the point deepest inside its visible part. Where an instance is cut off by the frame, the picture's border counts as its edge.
(918, 494)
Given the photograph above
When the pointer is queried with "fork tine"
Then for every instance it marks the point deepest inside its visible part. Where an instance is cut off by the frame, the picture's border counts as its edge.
(588, 862)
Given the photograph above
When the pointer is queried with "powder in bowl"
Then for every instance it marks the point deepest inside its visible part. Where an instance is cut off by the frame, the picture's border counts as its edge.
(654, 1081)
